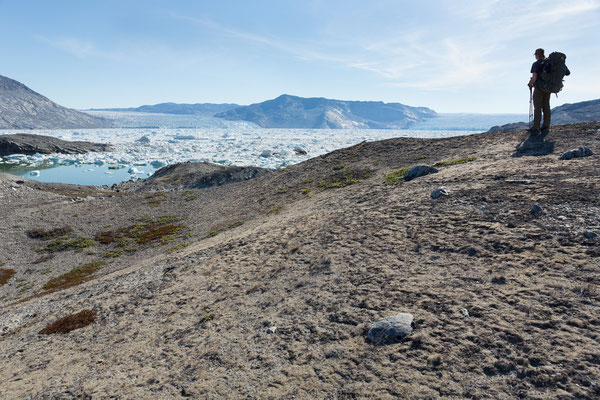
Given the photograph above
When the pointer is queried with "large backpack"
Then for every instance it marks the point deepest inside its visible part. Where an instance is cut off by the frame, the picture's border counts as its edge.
(553, 71)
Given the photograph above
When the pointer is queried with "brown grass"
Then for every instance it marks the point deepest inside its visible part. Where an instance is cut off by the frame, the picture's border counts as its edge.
(74, 277)
(49, 234)
(70, 323)
(150, 230)
(5, 275)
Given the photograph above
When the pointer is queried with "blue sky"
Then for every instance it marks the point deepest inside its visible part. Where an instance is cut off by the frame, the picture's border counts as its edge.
(450, 55)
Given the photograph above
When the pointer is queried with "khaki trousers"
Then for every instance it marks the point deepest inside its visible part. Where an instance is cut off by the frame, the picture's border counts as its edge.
(541, 103)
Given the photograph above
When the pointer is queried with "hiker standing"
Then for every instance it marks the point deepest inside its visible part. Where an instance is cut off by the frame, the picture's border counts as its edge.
(543, 90)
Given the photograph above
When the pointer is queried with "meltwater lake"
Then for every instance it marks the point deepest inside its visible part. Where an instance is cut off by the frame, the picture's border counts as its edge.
(149, 141)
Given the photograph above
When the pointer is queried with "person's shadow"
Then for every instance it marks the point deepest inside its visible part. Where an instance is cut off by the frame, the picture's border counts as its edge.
(534, 145)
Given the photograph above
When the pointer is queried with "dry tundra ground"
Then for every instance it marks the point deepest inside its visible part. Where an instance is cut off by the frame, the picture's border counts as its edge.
(178, 288)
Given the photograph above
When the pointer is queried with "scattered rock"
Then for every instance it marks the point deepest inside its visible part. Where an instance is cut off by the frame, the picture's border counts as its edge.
(583, 151)
(465, 313)
(391, 329)
(536, 209)
(590, 235)
(300, 151)
(439, 192)
(144, 140)
(266, 154)
(271, 330)
(418, 171)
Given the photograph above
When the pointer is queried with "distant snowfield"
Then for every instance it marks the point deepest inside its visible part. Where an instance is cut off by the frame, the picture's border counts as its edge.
(206, 139)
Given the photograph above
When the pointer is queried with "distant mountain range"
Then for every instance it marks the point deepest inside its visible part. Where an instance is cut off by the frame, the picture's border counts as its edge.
(22, 108)
(315, 113)
(208, 109)
(584, 111)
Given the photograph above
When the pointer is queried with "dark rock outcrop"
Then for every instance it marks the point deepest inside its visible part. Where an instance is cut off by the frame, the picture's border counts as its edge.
(23, 143)
(194, 175)
(509, 127)
(22, 108)
(319, 113)
(418, 171)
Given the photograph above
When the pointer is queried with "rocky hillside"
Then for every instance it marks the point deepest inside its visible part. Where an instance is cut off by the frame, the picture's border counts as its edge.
(584, 111)
(577, 112)
(316, 113)
(269, 287)
(22, 108)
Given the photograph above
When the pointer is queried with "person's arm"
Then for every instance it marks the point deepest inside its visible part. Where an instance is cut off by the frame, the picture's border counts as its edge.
(532, 80)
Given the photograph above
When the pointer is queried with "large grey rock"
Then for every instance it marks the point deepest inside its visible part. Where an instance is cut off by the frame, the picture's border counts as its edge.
(583, 151)
(391, 329)
(418, 171)
(536, 209)
(439, 192)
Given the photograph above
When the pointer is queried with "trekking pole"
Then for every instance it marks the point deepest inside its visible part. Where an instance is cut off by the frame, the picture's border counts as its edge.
(530, 107)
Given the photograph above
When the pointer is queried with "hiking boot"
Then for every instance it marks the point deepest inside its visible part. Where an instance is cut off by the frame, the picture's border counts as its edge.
(545, 129)
(533, 131)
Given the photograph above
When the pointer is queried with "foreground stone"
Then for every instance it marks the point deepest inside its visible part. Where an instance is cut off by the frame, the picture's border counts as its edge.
(391, 329)
(536, 209)
(439, 192)
(418, 171)
(583, 151)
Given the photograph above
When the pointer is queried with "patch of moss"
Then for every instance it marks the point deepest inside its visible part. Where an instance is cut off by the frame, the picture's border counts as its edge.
(75, 277)
(211, 234)
(275, 210)
(340, 167)
(5, 275)
(146, 231)
(114, 253)
(280, 191)
(73, 244)
(345, 178)
(180, 246)
(395, 177)
(463, 160)
(70, 323)
(308, 181)
(307, 191)
(235, 224)
(207, 317)
(49, 234)
(421, 157)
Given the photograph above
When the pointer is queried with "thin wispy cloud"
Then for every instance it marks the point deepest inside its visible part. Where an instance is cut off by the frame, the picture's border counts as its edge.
(129, 53)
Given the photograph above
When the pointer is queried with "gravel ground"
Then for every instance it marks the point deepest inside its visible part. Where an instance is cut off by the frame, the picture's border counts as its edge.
(506, 303)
